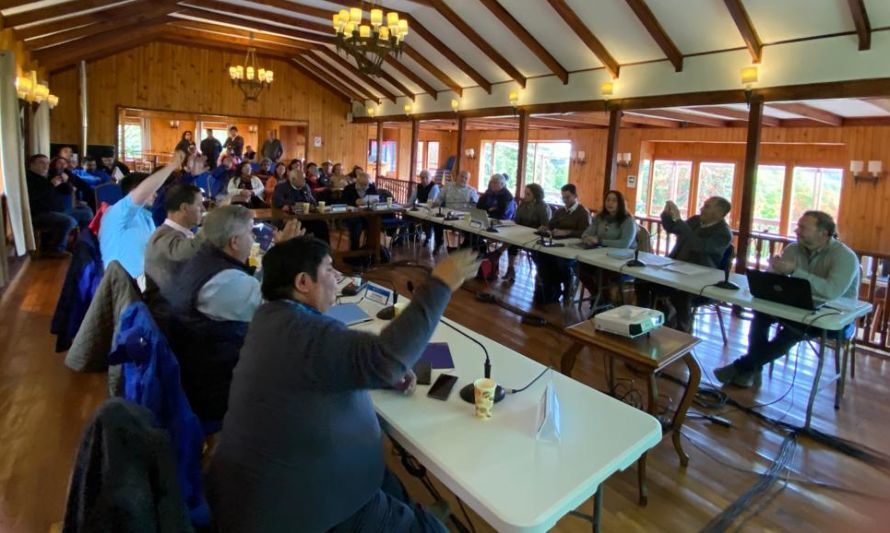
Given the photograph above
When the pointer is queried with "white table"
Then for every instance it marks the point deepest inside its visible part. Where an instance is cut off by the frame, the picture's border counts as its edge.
(832, 319)
(498, 467)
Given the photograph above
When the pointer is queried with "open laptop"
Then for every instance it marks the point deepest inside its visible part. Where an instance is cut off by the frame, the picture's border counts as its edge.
(781, 289)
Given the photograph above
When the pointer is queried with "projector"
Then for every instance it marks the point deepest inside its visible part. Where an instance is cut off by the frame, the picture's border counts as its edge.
(629, 321)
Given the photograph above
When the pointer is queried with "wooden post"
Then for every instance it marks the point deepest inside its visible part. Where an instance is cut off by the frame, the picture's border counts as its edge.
(415, 134)
(611, 149)
(749, 183)
(379, 146)
(461, 128)
(523, 151)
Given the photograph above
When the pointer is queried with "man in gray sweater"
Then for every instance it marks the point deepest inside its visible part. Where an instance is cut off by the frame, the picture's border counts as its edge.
(701, 239)
(301, 447)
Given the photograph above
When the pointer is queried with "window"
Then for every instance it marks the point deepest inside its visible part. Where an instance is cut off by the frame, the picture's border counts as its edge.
(427, 156)
(643, 187)
(815, 188)
(546, 163)
(387, 160)
(130, 133)
(715, 179)
(670, 181)
(768, 198)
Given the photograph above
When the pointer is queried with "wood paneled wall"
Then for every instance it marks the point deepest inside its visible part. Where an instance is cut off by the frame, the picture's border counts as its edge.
(169, 77)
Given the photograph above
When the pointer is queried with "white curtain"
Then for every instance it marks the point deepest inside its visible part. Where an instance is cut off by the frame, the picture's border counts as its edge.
(12, 161)
(40, 130)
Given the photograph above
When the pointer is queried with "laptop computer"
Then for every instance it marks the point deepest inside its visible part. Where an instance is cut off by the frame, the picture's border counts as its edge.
(781, 289)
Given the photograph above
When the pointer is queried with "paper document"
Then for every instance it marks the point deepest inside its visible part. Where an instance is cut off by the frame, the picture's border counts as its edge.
(655, 260)
(687, 268)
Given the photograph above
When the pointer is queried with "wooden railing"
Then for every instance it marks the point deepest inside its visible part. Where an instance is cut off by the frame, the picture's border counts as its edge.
(398, 188)
(874, 329)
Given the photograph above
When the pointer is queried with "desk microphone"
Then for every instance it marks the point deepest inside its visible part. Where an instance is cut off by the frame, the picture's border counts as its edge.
(389, 312)
(635, 262)
(491, 228)
(414, 206)
(468, 392)
(440, 214)
(726, 284)
(546, 241)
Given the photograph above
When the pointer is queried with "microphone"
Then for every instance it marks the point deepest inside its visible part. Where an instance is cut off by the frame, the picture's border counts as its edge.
(468, 392)
(440, 214)
(414, 205)
(491, 228)
(726, 284)
(389, 312)
(635, 262)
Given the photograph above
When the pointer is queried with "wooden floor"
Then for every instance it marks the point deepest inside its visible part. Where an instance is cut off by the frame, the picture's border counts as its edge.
(44, 406)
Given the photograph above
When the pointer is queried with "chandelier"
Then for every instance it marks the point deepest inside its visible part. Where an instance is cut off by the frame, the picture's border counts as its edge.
(249, 78)
(370, 43)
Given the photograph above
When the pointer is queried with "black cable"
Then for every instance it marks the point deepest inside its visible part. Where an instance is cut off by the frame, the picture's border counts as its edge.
(514, 391)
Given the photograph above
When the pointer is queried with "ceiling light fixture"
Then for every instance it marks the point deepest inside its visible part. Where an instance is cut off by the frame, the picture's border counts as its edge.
(250, 78)
(369, 44)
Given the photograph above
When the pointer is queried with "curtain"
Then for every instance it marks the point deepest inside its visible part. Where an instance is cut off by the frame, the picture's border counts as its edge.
(40, 130)
(12, 163)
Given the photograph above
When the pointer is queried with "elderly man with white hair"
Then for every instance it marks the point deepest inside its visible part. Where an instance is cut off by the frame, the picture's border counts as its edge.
(497, 201)
(212, 301)
(457, 194)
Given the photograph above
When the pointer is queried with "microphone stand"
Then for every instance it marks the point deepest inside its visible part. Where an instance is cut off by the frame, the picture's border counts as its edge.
(726, 284)
(635, 262)
(468, 391)
(491, 228)
(440, 214)
(414, 206)
(389, 312)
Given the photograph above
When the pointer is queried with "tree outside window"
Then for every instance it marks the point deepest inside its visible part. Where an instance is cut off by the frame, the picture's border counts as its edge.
(670, 181)
(768, 198)
(546, 163)
(815, 188)
(643, 188)
(715, 179)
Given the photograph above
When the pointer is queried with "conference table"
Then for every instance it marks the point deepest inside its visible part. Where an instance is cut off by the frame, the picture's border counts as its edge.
(498, 467)
(830, 320)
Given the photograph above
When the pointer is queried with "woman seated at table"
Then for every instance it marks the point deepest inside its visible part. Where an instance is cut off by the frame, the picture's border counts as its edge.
(294, 191)
(533, 212)
(279, 175)
(612, 227)
(246, 189)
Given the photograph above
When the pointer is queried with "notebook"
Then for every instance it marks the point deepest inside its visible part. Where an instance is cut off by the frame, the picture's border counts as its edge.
(349, 314)
(438, 355)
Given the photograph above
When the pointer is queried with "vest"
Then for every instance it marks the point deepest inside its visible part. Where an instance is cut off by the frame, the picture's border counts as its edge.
(207, 349)
(423, 192)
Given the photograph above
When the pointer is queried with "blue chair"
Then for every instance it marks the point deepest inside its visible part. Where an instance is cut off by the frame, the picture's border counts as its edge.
(701, 301)
(109, 193)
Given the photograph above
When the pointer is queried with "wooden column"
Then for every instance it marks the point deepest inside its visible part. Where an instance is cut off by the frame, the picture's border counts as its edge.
(611, 151)
(379, 146)
(523, 150)
(461, 128)
(415, 134)
(749, 183)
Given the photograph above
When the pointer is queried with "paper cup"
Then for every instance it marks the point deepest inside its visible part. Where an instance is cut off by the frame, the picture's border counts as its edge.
(389, 202)
(305, 207)
(484, 390)
(399, 307)
(321, 206)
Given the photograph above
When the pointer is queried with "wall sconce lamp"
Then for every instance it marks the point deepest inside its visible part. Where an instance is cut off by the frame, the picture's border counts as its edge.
(623, 160)
(408, 109)
(874, 172)
(749, 78)
(30, 90)
(252, 128)
(455, 104)
(607, 89)
(470, 153)
(174, 124)
(372, 111)
(514, 98)
(578, 158)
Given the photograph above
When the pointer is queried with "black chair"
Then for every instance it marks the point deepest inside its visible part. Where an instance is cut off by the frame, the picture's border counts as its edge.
(701, 301)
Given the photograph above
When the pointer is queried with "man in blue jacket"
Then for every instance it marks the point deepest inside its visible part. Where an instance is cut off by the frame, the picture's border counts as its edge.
(301, 447)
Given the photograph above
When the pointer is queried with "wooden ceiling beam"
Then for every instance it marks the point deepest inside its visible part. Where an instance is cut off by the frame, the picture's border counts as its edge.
(302, 9)
(246, 17)
(47, 26)
(59, 10)
(649, 121)
(410, 74)
(421, 60)
(527, 39)
(390, 79)
(661, 38)
(735, 114)
(360, 92)
(297, 23)
(343, 62)
(234, 43)
(102, 45)
(337, 89)
(680, 116)
(587, 37)
(860, 20)
(479, 42)
(220, 21)
(809, 112)
(746, 28)
(144, 14)
(883, 103)
(552, 122)
(242, 37)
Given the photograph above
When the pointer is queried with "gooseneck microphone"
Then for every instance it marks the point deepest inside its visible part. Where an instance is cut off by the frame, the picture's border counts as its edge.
(468, 392)
(726, 284)
(414, 205)
(635, 262)
(389, 312)
(440, 214)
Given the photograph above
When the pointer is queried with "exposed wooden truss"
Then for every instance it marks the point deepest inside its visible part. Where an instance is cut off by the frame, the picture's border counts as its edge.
(661, 38)
(587, 37)
(746, 28)
(860, 19)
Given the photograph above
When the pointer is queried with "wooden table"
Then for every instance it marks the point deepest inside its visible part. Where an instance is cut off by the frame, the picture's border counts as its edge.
(373, 216)
(650, 353)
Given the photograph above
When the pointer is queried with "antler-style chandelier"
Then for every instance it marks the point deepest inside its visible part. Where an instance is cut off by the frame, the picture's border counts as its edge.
(370, 43)
(249, 78)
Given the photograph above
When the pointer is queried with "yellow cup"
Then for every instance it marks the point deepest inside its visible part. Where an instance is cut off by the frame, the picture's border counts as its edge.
(305, 207)
(484, 390)
(399, 307)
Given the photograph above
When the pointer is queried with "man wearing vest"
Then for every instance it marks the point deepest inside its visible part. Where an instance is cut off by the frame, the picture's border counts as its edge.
(212, 301)
(425, 193)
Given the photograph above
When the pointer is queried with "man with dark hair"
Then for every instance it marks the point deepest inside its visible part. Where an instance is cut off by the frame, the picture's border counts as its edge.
(211, 149)
(701, 239)
(833, 272)
(49, 209)
(235, 143)
(127, 225)
(294, 191)
(173, 243)
(272, 148)
(301, 443)
(558, 274)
